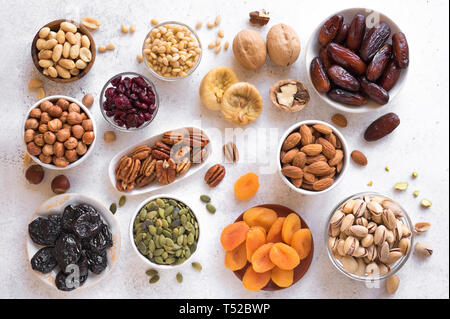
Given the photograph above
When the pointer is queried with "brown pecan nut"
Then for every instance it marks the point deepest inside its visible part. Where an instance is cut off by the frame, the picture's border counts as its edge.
(198, 155)
(127, 169)
(161, 151)
(172, 138)
(148, 166)
(180, 151)
(215, 175)
(196, 138)
(144, 180)
(259, 17)
(183, 166)
(166, 171)
(124, 187)
(230, 152)
(140, 152)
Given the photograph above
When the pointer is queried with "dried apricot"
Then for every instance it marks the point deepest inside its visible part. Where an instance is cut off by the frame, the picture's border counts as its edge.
(291, 224)
(256, 237)
(237, 258)
(260, 216)
(274, 234)
(261, 258)
(301, 242)
(281, 277)
(233, 235)
(284, 256)
(246, 186)
(255, 281)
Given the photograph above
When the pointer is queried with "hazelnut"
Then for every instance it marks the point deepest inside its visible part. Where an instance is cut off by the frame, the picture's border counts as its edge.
(71, 155)
(81, 148)
(29, 135)
(46, 105)
(88, 125)
(88, 100)
(46, 159)
(63, 117)
(62, 135)
(109, 136)
(60, 184)
(39, 140)
(36, 113)
(74, 118)
(58, 149)
(88, 138)
(60, 161)
(63, 104)
(43, 128)
(35, 174)
(71, 143)
(45, 118)
(73, 107)
(33, 149)
(49, 138)
(83, 116)
(55, 125)
(77, 131)
(31, 124)
(47, 150)
(55, 111)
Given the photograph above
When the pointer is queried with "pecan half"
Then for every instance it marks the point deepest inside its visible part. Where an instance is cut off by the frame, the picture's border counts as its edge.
(161, 151)
(172, 138)
(215, 175)
(128, 169)
(196, 138)
(198, 155)
(148, 166)
(124, 187)
(166, 171)
(140, 152)
(183, 166)
(230, 152)
(179, 151)
(259, 17)
(144, 180)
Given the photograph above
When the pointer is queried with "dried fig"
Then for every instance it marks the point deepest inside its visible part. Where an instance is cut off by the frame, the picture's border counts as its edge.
(242, 103)
(214, 85)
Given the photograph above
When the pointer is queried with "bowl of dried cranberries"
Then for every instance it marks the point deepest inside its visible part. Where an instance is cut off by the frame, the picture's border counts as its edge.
(129, 101)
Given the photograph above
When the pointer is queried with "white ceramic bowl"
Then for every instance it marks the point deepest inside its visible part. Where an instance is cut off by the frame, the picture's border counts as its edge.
(313, 48)
(339, 177)
(56, 204)
(131, 235)
(90, 148)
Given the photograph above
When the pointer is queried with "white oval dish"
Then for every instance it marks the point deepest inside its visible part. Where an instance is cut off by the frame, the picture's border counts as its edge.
(313, 48)
(56, 204)
(156, 186)
(131, 235)
(346, 158)
(90, 148)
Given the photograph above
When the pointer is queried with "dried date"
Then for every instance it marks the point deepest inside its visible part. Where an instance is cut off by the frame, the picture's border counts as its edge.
(342, 34)
(356, 32)
(401, 50)
(347, 97)
(374, 40)
(325, 58)
(319, 76)
(379, 63)
(382, 127)
(343, 79)
(330, 29)
(374, 91)
(390, 76)
(346, 58)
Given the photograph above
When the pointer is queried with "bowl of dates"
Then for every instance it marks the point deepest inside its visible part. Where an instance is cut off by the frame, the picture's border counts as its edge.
(357, 60)
(129, 101)
(73, 241)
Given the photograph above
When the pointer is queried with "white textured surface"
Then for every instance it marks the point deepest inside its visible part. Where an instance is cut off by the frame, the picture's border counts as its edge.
(420, 143)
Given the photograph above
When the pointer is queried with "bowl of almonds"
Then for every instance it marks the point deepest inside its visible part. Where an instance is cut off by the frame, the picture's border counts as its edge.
(63, 51)
(313, 157)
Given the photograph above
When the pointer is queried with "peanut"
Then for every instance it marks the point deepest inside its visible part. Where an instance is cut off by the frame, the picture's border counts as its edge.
(110, 47)
(40, 93)
(124, 29)
(198, 25)
(34, 84)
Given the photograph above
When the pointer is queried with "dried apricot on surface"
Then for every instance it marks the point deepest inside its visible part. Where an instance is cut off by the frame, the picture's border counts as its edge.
(274, 234)
(237, 258)
(246, 186)
(255, 281)
(291, 224)
(260, 216)
(284, 256)
(233, 235)
(301, 242)
(282, 278)
(256, 237)
(261, 258)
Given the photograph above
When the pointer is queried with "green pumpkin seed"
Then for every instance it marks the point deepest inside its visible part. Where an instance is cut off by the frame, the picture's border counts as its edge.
(181, 230)
(190, 239)
(151, 272)
(160, 202)
(166, 232)
(180, 240)
(154, 279)
(197, 266)
(164, 255)
(179, 278)
(205, 198)
(165, 224)
(159, 260)
(211, 208)
(113, 208)
(169, 242)
(122, 200)
(161, 212)
(183, 211)
(158, 252)
(152, 230)
(142, 248)
(151, 245)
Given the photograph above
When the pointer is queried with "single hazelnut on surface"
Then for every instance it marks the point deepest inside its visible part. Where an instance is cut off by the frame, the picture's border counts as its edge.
(77, 131)
(71, 143)
(88, 100)
(81, 148)
(74, 118)
(54, 125)
(39, 140)
(45, 118)
(63, 104)
(55, 111)
(29, 135)
(58, 149)
(36, 113)
(35, 174)
(71, 155)
(43, 128)
(88, 125)
(31, 124)
(33, 149)
(46, 105)
(46, 159)
(60, 161)
(73, 107)
(60, 184)
(49, 137)
(47, 150)
(109, 136)
(88, 138)
(62, 135)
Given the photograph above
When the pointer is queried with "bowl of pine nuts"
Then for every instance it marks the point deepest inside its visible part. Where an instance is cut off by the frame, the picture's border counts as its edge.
(172, 50)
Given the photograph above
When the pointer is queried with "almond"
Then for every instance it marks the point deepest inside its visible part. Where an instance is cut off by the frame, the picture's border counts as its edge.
(306, 135)
(297, 182)
(289, 156)
(291, 141)
(359, 158)
(323, 184)
(312, 149)
(339, 167)
(292, 172)
(313, 159)
(327, 148)
(337, 158)
(339, 120)
(324, 129)
(332, 139)
(299, 160)
(319, 168)
(309, 178)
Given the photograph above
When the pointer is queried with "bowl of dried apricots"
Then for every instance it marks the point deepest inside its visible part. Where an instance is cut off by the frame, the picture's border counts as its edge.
(269, 247)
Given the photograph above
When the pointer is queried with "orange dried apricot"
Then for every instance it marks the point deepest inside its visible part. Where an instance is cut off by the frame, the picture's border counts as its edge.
(260, 216)
(284, 256)
(282, 278)
(246, 186)
(233, 235)
(274, 234)
(291, 224)
(301, 242)
(256, 237)
(261, 258)
(237, 258)
(255, 281)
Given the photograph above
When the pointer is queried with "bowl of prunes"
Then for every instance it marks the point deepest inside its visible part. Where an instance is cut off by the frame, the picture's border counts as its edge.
(73, 241)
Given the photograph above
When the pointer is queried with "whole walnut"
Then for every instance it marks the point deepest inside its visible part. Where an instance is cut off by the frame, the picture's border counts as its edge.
(62, 135)
(63, 104)
(249, 49)
(58, 149)
(33, 149)
(88, 138)
(71, 143)
(49, 137)
(71, 155)
(74, 118)
(81, 148)
(54, 125)
(283, 44)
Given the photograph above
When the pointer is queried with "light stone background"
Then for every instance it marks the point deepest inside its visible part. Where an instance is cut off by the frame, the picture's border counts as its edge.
(420, 143)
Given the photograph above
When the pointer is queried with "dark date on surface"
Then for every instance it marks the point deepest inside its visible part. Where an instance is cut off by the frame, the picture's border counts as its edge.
(343, 79)
(346, 97)
(382, 127)
(401, 50)
(330, 29)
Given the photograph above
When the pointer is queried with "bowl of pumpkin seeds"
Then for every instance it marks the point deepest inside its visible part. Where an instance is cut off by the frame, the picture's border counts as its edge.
(164, 231)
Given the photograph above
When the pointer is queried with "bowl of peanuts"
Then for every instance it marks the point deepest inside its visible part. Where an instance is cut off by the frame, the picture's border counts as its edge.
(63, 51)
(172, 50)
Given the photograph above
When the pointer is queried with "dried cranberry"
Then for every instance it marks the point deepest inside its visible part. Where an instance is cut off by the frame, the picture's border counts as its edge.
(116, 80)
(148, 116)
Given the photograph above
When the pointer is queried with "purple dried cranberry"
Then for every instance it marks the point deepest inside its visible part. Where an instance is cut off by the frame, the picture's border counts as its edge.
(133, 96)
(132, 120)
(110, 92)
(147, 116)
(127, 82)
(109, 113)
(116, 81)
(121, 88)
(140, 81)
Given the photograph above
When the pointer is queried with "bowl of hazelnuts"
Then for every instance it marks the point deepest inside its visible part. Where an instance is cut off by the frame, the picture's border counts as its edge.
(59, 132)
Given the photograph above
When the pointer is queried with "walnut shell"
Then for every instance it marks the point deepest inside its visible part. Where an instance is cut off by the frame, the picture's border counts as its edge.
(249, 49)
(301, 98)
(283, 45)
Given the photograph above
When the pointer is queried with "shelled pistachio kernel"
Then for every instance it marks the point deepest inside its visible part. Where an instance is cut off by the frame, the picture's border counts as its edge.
(416, 193)
(401, 186)
(426, 203)
(122, 200)
(197, 266)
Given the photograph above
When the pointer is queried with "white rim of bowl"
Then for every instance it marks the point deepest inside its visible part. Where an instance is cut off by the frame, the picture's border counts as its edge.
(131, 229)
(90, 148)
(345, 159)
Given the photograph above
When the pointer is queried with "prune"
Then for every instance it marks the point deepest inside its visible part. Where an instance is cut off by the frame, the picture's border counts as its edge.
(68, 217)
(342, 34)
(346, 58)
(374, 91)
(382, 127)
(319, 76)
(83, 269)
(44, 260)
(62, 282)
(401, 50)
(374, 40)
(97, 262)
(346, 97)
(45, 230)
(390, 76)
(330, 29)
(379, 63)
(67, 250)
(356, 32)
(101, 241)
(342, 78)
(88, 223)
